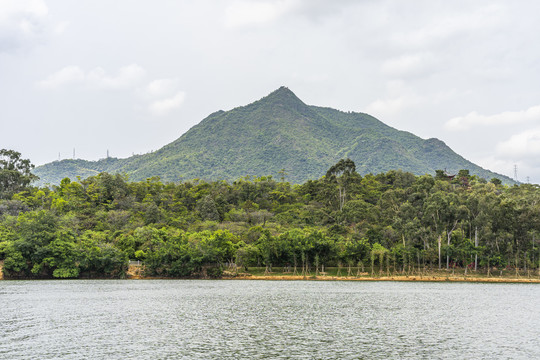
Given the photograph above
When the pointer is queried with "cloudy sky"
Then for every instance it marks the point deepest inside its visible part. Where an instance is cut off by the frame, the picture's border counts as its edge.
(129, 76)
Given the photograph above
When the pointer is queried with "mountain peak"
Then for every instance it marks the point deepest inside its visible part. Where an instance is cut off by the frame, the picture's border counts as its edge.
(284, 96)
(284, 91)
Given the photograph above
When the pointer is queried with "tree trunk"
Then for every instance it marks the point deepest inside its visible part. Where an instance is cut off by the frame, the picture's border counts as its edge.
(476, 246)
(517, 264)
(448, 235)
(341, 198)
(439, 242)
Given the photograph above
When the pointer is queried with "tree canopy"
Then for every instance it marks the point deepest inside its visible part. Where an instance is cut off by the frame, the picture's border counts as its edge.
(388, 222)
(15, 173)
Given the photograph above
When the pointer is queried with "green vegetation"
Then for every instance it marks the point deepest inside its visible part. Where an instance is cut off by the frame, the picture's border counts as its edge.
(278, 132)
(15, 173)
(393, 222)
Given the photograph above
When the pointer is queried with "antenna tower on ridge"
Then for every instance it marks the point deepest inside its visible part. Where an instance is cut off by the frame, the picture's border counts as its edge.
(515, 172)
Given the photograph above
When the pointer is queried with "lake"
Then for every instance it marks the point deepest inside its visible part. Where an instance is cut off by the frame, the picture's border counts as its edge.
(228, 319)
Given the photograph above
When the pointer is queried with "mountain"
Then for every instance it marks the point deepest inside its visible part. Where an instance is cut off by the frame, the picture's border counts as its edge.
(277, 132)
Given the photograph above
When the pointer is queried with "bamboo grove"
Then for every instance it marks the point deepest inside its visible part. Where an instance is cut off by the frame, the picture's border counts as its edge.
(393, 222)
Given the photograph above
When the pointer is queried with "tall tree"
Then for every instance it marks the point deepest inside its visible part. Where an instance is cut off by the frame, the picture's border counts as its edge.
(15, 173)
(342, 174)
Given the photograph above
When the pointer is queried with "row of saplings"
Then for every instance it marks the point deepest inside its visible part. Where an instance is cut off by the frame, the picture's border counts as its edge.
(374, 260)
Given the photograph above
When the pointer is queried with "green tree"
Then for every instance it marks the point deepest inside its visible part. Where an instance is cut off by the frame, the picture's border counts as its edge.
(342, 175)
(15, 173)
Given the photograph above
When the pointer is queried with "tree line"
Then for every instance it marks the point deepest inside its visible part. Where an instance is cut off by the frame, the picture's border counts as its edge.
(389, 222)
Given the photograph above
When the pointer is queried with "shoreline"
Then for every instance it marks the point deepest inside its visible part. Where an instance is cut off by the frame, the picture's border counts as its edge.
(135, 273)
(404, 278)
(455, 279)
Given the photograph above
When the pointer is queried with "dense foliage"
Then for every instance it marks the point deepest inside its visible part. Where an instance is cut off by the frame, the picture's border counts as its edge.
(277, 132)
(15, 173)
(393, 221)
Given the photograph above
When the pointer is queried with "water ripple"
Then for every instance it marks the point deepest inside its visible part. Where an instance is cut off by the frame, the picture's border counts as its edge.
(267, 320)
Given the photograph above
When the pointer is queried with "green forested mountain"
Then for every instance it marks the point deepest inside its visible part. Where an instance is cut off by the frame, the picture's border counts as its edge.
(277, 132)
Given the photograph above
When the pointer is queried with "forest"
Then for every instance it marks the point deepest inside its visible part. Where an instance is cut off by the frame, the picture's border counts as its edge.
(393, 222)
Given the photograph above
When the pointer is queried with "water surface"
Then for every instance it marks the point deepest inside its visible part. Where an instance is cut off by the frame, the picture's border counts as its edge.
(201, 319)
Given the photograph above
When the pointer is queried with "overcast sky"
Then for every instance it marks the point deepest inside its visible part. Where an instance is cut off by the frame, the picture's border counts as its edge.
(131, 76)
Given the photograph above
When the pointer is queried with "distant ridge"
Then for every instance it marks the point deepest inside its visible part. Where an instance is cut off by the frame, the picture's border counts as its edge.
(277, 132)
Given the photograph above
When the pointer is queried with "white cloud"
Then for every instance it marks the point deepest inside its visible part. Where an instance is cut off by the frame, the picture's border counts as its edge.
(246, 13)
(444, 28)
(13, 11)
(242, 13)
(504, 118)
(161, 87)
(160, 95)
(408, 65)
(521, 146)
(66, 76)
(385, 107)
(497, 164)
(127, 77)
(164, 106)
(528, 167)
(60, 28)
(398, 99)
(21, 21)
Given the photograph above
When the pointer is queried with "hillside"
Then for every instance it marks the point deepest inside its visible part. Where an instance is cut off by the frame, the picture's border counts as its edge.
(277, 132)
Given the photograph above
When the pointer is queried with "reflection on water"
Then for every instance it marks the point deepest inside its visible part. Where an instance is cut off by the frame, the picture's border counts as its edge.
(198, 319)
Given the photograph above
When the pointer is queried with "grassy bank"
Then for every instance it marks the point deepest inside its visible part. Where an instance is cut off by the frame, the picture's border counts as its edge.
(136, 272)
(426, 278)
(355, 274)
